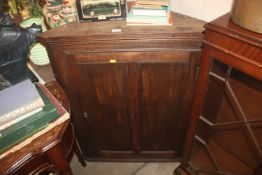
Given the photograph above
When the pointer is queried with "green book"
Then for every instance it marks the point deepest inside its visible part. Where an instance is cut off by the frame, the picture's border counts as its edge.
(147, 19)
(27, 127)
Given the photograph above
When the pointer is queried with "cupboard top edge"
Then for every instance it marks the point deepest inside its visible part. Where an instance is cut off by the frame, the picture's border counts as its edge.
(183, 26)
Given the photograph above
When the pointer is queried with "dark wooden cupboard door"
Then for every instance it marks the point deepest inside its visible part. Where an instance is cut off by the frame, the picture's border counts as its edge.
(161, 92)
(228, 139)
(133, 103)
(102, 95)
(164, 87)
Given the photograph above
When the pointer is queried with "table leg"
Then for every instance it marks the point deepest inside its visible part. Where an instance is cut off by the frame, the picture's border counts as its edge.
(58, 159)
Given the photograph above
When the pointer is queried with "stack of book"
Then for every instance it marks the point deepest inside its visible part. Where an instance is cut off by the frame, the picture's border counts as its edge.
(24, 110)
(149, 12)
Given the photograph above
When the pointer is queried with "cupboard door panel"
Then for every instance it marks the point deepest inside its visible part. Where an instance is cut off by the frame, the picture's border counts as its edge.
(162, 88)
(133, 103)
(103, 101)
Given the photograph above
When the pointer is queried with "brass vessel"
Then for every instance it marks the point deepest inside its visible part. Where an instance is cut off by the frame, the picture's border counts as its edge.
(248, 14)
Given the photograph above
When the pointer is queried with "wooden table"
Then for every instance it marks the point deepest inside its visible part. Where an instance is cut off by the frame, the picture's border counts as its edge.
(49, 152)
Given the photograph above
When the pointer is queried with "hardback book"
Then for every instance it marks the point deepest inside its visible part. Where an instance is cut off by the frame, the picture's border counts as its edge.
(149, 6)
(18, 102)
(32, 124)
(153, 2)
(19, 118)
(148, 20)
(148, 11)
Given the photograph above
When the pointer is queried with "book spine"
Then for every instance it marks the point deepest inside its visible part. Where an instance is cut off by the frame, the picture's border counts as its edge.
(149, 12)
(8, 139)
(153, 2)
(18, 119)
(28, 141)
(21, 111)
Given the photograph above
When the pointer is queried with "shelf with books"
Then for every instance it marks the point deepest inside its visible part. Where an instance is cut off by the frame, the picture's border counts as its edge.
(33, 123)
(48, 150)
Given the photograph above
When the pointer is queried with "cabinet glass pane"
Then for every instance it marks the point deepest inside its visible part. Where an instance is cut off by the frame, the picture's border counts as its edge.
(248, 93)
(200, 159)
(229, 131)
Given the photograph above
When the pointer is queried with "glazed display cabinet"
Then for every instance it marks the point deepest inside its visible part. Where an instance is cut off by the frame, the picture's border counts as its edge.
(225, 131)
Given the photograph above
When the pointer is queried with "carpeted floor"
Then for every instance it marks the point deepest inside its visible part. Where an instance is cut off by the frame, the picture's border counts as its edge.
(123, 168)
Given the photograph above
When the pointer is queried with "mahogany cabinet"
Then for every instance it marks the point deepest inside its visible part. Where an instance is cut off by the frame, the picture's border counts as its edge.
(130, 88)
(225, 132)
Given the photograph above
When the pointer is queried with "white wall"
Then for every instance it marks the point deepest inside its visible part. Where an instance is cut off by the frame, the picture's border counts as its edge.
(206, 10)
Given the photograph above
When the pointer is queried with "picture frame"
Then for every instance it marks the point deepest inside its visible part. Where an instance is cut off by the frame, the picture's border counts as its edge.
(101, 10)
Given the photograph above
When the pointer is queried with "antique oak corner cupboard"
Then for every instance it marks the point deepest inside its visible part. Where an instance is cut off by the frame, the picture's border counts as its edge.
(130, 90)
